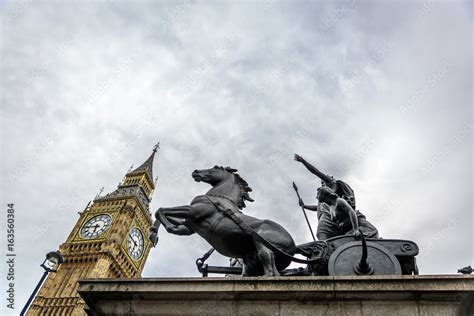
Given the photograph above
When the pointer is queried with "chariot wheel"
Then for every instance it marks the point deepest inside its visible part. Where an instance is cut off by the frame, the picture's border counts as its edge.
(361, 258)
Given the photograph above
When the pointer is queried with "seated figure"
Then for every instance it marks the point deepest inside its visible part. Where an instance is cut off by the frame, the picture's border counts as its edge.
(340, 218)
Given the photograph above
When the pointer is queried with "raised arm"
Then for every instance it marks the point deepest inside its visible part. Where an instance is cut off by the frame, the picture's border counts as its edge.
(314, 170)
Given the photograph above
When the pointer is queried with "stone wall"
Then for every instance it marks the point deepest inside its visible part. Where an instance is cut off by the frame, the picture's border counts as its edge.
(338, 296)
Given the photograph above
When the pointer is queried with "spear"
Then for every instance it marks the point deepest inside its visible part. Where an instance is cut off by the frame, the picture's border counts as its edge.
(304, 212)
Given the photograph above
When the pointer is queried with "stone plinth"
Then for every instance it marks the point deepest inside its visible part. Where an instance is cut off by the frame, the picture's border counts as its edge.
(368, 295)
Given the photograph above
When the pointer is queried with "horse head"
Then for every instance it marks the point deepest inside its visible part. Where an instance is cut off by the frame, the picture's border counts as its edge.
(225, 181)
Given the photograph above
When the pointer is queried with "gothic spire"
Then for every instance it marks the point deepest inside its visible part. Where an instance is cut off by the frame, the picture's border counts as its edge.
(147, 166)
(137, 183)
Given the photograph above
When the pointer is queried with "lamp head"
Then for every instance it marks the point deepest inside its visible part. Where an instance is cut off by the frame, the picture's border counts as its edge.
(53, 261)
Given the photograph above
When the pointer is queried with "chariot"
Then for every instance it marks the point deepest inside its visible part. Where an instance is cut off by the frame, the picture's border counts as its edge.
(343, 255)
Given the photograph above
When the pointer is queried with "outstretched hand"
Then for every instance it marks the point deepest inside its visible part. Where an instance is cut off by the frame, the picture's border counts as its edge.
(299, 158)
(300, 202)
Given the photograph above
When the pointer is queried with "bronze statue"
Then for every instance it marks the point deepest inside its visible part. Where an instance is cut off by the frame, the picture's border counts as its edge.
(264, 246)
(328, 224)
(340, 210)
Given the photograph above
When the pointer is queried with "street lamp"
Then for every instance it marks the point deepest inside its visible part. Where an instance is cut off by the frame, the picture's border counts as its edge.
(50, 264)
(53, 261)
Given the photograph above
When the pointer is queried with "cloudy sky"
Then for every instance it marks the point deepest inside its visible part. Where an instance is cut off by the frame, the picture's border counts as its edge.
(378, 94)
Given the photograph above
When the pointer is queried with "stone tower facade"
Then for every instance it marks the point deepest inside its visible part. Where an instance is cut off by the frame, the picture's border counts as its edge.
(110, 240)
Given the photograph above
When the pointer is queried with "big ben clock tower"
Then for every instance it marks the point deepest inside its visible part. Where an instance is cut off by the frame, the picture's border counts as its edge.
(108, 241)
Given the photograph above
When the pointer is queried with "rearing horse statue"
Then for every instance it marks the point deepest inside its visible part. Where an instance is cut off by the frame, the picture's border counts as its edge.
(216, 217)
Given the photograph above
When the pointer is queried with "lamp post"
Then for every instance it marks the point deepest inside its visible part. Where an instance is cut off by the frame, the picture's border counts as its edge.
(50, 264)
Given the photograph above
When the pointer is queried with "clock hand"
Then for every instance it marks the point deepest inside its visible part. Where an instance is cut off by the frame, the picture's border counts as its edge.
(88, 227)
(95, 228)
(134, 242)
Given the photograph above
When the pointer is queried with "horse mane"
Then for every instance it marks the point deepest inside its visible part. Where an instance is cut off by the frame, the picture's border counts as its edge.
(244, 187)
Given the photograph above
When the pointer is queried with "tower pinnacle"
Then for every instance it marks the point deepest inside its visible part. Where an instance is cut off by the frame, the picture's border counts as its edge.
(147, 166)
(157, 146)
(137, 182)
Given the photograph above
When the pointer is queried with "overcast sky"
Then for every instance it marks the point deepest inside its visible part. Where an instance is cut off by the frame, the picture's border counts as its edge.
(378, 94)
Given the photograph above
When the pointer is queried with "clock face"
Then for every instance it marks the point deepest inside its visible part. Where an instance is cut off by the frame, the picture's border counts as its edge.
(96, 226)
(135, 243)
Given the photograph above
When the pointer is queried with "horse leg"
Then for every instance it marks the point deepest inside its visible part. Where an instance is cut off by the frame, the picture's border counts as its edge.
(162, 214)
(153, 233)
(267, 257)
(245, 268)
(251, 267)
